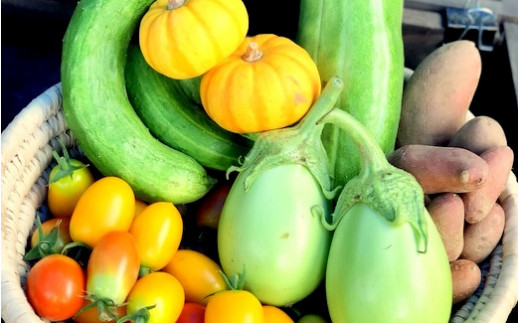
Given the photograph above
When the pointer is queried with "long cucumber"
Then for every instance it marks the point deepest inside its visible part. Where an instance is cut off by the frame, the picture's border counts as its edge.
(177, 121)
(361, 42)
(100, 116)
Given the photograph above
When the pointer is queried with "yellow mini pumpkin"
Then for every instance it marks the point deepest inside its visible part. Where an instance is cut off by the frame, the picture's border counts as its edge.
(185, 38)
(269, 82)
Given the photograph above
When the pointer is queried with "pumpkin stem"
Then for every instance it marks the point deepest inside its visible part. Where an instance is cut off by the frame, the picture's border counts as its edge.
(174, 4)
(252, 53)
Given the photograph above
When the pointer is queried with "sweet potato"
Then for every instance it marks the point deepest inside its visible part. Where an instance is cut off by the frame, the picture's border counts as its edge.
(438, 94)
(466, 277)
(441, 169)
(478, 203)
(447, 212)
(482, 237)
(479, 134)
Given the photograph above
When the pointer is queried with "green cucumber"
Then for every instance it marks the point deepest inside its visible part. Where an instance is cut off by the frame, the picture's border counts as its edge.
(100, 116)
(191, 88)
(174, 119)
(360, 41)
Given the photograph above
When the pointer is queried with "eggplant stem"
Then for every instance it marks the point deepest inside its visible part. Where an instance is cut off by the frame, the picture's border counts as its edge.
(372, 157)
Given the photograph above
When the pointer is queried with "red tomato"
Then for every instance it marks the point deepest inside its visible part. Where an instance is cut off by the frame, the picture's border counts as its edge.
(107, 205)
(113, 267)
(208, 212)
(192, 313)
(55, 287)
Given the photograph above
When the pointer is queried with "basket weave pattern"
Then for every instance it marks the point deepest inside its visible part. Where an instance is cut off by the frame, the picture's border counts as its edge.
(27, 145)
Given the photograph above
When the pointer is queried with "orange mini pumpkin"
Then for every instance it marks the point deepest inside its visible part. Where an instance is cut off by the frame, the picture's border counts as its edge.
(269, 82)
(184, 38)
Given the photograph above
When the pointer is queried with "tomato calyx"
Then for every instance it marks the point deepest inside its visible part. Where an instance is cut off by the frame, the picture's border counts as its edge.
(140, 316)
(46, 242)
(106, 307)
(78, 251)
(143, 271)
(65, 167)
(300, 144)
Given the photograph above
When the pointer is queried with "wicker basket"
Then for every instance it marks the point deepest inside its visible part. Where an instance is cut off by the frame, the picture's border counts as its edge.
(27, 145)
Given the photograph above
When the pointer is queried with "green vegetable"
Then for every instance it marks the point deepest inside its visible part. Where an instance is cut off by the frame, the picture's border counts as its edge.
(98, 112)
(387, 262)
(270, 228)
(360, 41)
(175, 120)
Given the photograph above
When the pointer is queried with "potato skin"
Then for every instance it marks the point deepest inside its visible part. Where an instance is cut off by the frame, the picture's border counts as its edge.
(447, 212)
(478, 203)
(482, 237)
(438, 94)
(441, 169)
(466, 277)
(479, 134)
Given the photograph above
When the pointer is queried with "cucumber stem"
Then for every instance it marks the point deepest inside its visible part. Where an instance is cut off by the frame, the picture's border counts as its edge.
(253, 53)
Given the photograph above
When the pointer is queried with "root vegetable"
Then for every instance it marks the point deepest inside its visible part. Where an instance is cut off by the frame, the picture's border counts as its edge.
(447, 212)
(478, 203)
(466, 276)
(441, 169)
(481, 238)
(438, 94)
(479, 134)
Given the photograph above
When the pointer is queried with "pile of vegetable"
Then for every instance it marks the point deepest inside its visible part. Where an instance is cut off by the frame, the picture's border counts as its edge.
(254, 178)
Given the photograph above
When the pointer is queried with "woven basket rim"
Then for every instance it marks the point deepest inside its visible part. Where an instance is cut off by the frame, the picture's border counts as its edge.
(22, 161)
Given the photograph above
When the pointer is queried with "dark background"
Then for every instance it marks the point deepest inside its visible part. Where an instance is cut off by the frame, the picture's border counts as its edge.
(31, 51)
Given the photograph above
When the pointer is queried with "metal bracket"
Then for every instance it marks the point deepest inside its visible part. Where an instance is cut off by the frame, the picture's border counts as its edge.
(474, 18)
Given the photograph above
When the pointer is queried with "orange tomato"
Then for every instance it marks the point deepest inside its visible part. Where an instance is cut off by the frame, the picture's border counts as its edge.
(107, 205)
(234, 306)
(198, 274)
(273, 314)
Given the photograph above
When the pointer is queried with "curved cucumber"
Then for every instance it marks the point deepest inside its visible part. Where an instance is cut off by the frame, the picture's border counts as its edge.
(100, 116)
(175, 120)
(361, 42)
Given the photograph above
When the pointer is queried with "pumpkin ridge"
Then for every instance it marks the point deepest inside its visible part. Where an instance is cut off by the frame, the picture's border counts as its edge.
(215, 43)
(188, 63)
(265, 114)
(232, 15)
(230, 77)
(299, 60)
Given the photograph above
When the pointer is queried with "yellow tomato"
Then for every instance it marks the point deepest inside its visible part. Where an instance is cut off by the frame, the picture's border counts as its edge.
(198, 274)
(234, 306)
(273, 314)
(161, 293)
(107, 205)
(65, 192)
(158, 232)
(139, 207)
